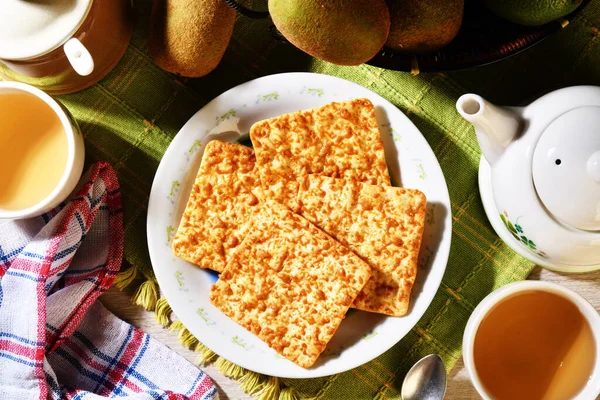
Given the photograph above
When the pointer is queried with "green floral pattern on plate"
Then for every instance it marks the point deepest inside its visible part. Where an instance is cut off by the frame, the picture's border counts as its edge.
(181, 281)
(422, 173)
(312, 91)
(202, 314)
(267, 97)
(170, 234)
(228, 114)
(175, 185)
(241, 342)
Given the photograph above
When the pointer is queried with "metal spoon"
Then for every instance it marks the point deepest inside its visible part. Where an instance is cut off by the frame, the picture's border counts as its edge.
(426, 380)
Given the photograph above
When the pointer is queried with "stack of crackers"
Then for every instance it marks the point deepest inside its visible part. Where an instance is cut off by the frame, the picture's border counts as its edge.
(303, 227)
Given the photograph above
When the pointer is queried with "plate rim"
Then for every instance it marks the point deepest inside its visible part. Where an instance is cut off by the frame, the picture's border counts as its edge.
(443, 250)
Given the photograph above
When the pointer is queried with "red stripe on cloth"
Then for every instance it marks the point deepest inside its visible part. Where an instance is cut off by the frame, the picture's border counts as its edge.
(132, 386)
(204, 386)
(18, 349)
(26, 264)
(106, 276)
(41, 307)
(175, 396)
(71, 393)
(60, 267)
(116, 374)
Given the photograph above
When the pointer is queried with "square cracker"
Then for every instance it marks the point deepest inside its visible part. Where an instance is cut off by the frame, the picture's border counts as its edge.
(340, 140)
(289, 283)
(381, 224)
(214, 222)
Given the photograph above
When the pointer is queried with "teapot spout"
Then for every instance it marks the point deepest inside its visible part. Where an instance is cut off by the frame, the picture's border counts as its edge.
(495, 126)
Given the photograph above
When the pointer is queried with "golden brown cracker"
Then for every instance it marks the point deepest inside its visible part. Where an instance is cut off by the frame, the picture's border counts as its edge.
(289, 283)
(226, 189)
(339, 140)
(381, 224)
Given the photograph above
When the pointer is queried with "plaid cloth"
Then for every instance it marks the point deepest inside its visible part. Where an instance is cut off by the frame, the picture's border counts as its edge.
(56, 341)
(131, 116)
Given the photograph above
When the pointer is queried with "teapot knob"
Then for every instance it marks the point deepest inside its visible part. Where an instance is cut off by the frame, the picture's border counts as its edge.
(593, 167)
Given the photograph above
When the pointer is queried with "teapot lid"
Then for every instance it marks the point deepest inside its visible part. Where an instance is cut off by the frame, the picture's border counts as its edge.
(566, 168)
(30, 29)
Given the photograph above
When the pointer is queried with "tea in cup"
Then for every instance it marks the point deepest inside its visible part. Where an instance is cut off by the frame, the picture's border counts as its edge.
(42, 152)
(535, 341)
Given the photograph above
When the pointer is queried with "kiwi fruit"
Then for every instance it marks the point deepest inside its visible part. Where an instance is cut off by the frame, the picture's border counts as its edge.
(189, 37)
(532, 12)
(344, 32)
(420, 26)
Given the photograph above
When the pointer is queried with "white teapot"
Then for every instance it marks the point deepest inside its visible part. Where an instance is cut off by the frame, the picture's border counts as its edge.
(539, 176)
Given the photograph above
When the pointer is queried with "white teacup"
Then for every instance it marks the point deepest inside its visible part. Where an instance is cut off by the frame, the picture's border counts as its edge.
(75, 153)
(591, 390)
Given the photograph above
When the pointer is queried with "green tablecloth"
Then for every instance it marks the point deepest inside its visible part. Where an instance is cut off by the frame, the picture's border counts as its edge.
(130, 117)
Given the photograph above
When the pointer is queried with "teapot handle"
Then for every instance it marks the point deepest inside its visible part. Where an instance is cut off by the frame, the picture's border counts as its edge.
(80, 58)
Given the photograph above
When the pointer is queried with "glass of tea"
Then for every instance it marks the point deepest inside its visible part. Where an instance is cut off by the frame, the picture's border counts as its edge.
(536, 341)
(42, 152)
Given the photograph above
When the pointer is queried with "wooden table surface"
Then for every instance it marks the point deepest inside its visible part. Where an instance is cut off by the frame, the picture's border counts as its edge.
(459, 386)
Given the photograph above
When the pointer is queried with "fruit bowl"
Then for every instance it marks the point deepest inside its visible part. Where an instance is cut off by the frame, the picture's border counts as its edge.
(483, 38)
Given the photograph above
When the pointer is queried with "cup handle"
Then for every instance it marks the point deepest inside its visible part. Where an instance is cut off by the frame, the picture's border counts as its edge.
(80, 58)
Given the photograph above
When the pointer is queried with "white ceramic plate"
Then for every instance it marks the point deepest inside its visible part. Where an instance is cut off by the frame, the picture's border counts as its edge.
(362, 336)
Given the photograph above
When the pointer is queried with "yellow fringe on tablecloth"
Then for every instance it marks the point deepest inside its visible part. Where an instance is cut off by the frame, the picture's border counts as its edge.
(146, 295)
(162, 312)
(124, 278)
(206, 355)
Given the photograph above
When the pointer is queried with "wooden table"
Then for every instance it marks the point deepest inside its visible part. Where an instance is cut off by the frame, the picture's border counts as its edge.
(459, 386)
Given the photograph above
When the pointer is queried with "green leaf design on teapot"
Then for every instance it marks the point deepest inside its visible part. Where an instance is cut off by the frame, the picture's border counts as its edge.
(517, 231)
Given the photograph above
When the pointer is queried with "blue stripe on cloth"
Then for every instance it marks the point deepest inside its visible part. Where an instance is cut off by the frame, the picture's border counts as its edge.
(68, 251)
(115, 359)
(98, 200)
(5, 257)
(198, 378)
(157, 395)
(53, 385)
(80, 368)
(81, 224)
(33, 255)
(24, 275)
(21, 339)
(81, 271)
(70, 271)
(210, 394)
(80, 395)
(20, 360)
(97, 353)
(91, 280)
(141, 378)
(136, 361)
